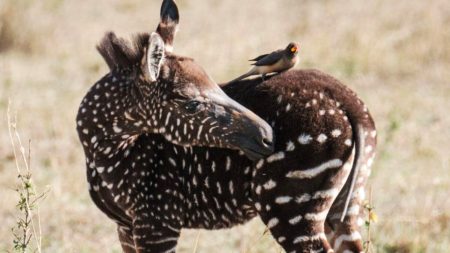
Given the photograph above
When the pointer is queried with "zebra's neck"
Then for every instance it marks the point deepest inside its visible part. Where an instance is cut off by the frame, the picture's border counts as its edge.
(111, 115)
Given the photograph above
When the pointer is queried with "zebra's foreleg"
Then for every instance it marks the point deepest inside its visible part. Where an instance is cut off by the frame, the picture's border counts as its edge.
(154, 235)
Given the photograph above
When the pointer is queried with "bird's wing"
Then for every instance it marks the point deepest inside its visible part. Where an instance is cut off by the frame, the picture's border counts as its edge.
(259, 57)
(270, 59)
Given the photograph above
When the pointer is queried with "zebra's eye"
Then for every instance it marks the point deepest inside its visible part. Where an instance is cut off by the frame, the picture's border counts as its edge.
(193, 106)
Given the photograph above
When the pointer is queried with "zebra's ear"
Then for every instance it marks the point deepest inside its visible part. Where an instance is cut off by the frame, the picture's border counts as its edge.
(155, 56)
(168, 24)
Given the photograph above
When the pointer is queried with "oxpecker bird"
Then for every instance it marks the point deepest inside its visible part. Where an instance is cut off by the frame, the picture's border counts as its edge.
(275, 62)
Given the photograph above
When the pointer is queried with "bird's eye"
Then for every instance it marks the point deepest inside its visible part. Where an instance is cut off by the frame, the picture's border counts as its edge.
(193, 106)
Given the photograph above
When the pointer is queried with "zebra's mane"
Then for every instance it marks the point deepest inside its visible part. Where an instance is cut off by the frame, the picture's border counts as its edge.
(120, 52)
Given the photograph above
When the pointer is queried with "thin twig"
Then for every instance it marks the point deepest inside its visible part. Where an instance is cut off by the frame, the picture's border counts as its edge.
(196, 242)
(27, 197)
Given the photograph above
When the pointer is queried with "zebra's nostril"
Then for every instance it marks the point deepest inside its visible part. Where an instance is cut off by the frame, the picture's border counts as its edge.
(267, 142)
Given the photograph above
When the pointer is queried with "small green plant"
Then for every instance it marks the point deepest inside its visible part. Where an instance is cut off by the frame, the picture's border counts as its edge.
(28, 225)
(371, 218)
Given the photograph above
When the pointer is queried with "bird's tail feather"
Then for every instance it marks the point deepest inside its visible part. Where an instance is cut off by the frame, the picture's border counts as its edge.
(251, 72)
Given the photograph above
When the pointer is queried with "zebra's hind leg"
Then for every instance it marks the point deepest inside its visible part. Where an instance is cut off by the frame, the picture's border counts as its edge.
(294, 203)
(126, 239)
(345, 236)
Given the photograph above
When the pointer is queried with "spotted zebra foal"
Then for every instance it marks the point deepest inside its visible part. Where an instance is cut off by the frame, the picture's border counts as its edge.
(166, 149)
(125, 122)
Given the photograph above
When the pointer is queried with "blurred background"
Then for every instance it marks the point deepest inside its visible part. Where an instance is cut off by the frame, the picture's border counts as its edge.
(394, 54)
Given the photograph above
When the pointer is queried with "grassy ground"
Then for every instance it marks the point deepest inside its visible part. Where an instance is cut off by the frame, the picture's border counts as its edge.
(395, 54)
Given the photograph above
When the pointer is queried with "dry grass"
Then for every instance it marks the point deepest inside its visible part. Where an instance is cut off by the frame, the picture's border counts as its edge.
(395, 54)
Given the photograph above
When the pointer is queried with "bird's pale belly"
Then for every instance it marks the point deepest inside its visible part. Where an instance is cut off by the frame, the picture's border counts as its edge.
(277, 67)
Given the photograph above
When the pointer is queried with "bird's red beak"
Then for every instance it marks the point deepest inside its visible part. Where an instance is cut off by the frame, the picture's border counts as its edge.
(294, 49)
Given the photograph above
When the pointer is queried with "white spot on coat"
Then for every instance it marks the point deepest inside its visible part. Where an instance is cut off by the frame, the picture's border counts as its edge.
(355, 236)
(272, 223)
(283, 199)
(295, 219)
(306, 238)
(336, 133)
(290, 146)
(260, 164)
(331, 193)
(228, 163)
(288, 107)
(276, 157)
(172, 161)
(321, 138)
(303, 198)
(348, 142)
(312, 172)
(270, 185)
(373, 134)
(304, 139)
(117, 129)
(317, 216)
